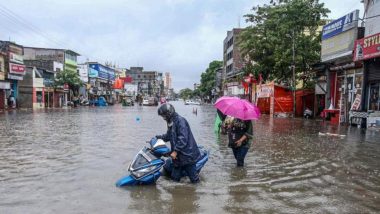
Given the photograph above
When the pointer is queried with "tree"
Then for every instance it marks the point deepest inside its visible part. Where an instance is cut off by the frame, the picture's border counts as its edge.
(268, 41)
(186, 93)
(69, 77)
(208, 78)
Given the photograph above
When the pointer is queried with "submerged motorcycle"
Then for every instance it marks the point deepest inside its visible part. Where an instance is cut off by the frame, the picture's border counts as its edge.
(146, 167)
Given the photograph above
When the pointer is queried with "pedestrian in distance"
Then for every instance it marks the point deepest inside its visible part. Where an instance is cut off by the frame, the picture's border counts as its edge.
(184, 149)
(240, 135)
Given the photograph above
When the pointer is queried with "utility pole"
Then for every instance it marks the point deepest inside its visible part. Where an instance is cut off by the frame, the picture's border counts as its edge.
(294, 76)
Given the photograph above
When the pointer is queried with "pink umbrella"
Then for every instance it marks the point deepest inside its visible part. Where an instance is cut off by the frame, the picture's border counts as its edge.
(238, 108)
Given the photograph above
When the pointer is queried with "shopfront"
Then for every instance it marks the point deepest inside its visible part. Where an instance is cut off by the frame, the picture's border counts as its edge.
(367, 50)
(101, 79)
(343, 76)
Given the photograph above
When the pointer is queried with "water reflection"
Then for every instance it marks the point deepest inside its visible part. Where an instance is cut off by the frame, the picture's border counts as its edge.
(239, 197)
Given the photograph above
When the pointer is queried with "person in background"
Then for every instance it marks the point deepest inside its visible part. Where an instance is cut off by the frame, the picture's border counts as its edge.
(185, 152)
(12, 101)
(240, 134)
(220, 117)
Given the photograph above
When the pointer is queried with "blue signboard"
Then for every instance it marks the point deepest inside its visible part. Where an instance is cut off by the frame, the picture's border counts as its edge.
(101, 71)
(92, 72)
(340, 25)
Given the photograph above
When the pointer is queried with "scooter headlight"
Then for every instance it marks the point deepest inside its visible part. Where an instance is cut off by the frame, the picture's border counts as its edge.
(141, 172)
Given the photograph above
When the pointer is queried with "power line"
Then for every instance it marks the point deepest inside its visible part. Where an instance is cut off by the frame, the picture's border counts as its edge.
(16, 19)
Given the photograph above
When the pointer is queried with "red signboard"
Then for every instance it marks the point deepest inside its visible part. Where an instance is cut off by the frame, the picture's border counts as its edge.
(367, 48)
(16, 68)
(127, 79)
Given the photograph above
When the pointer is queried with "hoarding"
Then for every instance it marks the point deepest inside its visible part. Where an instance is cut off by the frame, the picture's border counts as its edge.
(130, 89)
(16, 58)
(83, 72)
(367, 47)
(340, 25)
(16, 69)
(338, 46)
(15, 77)
(100, 71)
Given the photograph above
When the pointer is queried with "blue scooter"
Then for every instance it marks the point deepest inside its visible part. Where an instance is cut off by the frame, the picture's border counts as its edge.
(145, 167)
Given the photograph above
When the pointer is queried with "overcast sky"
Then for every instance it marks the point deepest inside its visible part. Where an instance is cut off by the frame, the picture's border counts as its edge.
(176, 36)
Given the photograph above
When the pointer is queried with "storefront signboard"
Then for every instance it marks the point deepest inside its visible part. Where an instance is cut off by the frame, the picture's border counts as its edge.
(265, 91)
(16, 58)
(338, 46)
(102, 71)
(367, 47)
(16, 69)
(340, 25)
(15, 77)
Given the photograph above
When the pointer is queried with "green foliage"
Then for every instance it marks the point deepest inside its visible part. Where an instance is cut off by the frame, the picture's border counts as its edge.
(268, 41)
(186, 93)
(69, 77)
(208, 78)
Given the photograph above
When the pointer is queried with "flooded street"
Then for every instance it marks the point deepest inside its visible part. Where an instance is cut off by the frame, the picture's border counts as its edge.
(68, 160)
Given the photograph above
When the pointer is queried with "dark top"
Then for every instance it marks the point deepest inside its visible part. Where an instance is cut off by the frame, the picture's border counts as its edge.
(237, 129)
(182, 141)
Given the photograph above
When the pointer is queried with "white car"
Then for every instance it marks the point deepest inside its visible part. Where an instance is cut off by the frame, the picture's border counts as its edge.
(145, 102)
(192, 102)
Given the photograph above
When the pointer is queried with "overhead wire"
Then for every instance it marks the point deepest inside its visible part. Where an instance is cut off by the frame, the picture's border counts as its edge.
(21, 22)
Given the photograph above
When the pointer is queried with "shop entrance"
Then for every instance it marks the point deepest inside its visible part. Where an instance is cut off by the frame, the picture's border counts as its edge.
(374, 101)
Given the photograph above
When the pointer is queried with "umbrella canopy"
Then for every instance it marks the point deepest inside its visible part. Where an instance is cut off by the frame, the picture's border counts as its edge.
(238, 108)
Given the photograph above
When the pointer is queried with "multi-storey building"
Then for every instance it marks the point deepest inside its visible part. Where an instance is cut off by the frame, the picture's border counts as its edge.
(148, 82)
(232, 63)
(232, 60)
(12, 70)
(167, 84)
(64, 56)
(37, 90)
(101, 79)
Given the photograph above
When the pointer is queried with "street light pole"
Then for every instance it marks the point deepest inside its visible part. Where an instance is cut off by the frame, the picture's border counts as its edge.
(294, 76)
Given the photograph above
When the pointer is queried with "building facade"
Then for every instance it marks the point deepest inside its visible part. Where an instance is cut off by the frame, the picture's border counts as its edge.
(101, 78)
(67, 58)
(367, 52)
(232, 60)
(149, 83)
(13, 71)
(167, 80)
(343, 77)
(47, 70)
(232, 63)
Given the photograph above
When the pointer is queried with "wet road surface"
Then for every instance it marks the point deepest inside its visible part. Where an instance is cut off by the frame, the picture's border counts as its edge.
(68, 160)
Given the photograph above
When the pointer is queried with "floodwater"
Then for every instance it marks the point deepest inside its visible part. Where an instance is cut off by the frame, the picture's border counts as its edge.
(68, 160)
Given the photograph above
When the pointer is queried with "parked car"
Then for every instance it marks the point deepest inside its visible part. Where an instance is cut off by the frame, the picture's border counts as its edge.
(192, 102)
(145, 102)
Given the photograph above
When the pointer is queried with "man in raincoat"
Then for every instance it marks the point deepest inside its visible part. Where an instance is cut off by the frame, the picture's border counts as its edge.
(185, 152)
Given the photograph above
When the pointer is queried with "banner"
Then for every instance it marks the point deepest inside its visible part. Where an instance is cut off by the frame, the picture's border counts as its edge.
(356, 104)
(367, 47)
